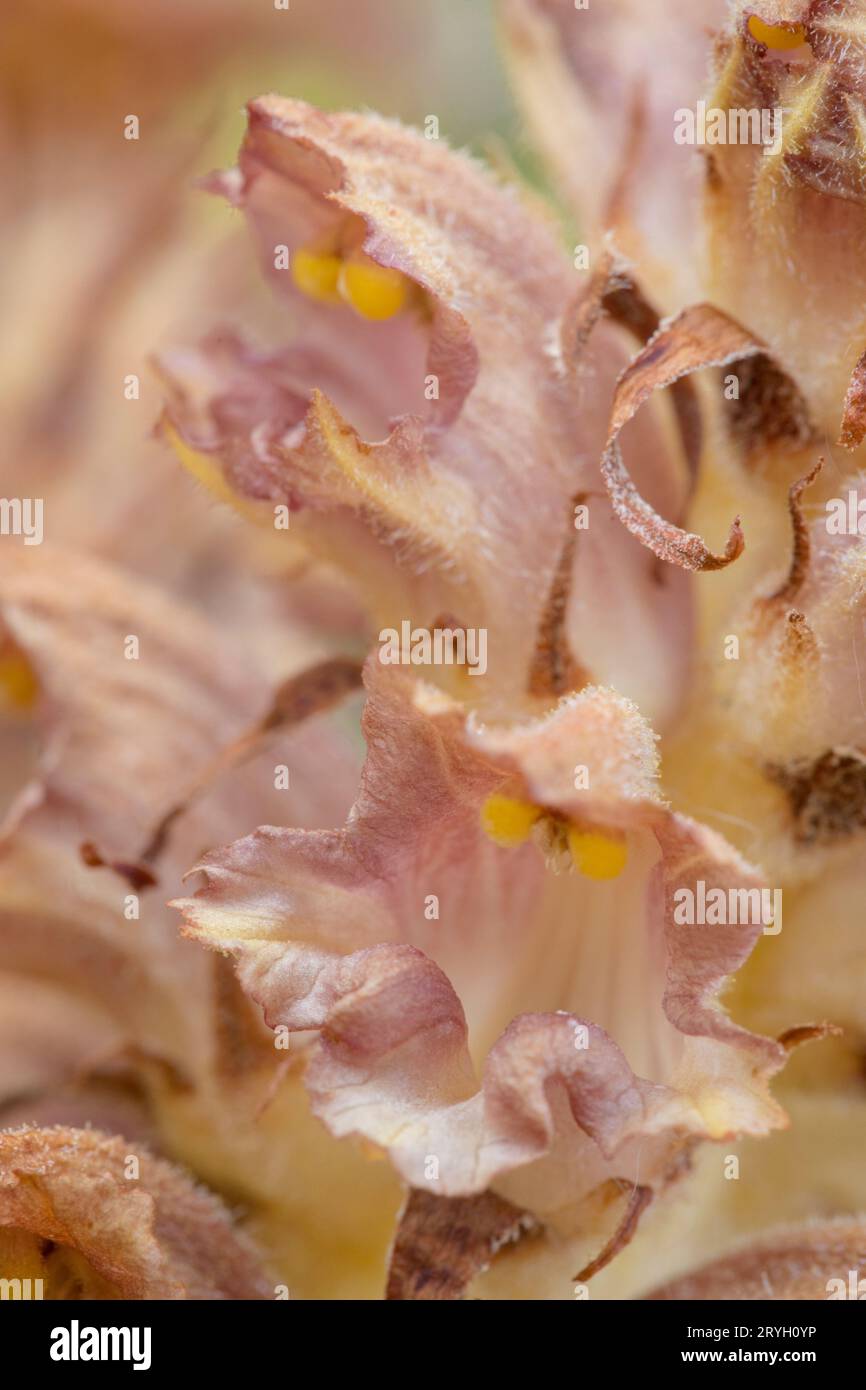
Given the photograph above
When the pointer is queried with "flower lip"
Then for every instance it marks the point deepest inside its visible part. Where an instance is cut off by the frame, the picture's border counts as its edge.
(357, 255)
(325, 938)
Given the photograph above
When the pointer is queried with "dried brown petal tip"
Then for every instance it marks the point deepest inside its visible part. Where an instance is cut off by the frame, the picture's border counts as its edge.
(801, 549)
(638, 1201)
(698, 337)
(443, 1242)
(853, 427)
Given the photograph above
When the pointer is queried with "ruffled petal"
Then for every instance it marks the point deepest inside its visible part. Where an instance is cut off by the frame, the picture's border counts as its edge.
(401, 446)
(768, 409)
(381, 934)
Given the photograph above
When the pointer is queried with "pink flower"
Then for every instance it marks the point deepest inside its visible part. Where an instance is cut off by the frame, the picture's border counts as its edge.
(504, 973)
(437, 455)
(491, 957)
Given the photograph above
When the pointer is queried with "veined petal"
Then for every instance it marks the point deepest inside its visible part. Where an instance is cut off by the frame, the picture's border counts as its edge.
(380, 935)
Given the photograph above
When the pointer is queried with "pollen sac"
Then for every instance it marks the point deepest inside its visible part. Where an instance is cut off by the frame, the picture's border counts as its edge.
(373, 291)
(316, 275)
(777, 36)
(597, 854)
(19, 688)
(507, 820)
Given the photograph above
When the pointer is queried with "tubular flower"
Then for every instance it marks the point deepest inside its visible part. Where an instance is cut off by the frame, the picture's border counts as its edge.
(451, 948)
(469, 980)
(436, 425)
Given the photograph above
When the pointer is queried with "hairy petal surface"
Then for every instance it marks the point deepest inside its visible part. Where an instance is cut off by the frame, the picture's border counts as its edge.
(435, 456)
(809, 1262)
(71, 1215)
(786, 222)
(585, 1074)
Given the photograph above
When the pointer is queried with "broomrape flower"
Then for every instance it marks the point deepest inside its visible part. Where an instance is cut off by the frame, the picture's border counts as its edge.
(464, 958)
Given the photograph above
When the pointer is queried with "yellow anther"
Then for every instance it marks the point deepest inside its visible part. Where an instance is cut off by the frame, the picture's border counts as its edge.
(18, 684)
(508, 821)
(317, 275)
(776, 35)
(596, 853)
(373, 291)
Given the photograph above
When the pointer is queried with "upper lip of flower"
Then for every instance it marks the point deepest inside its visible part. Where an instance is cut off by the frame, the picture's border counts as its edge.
(455, 507)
